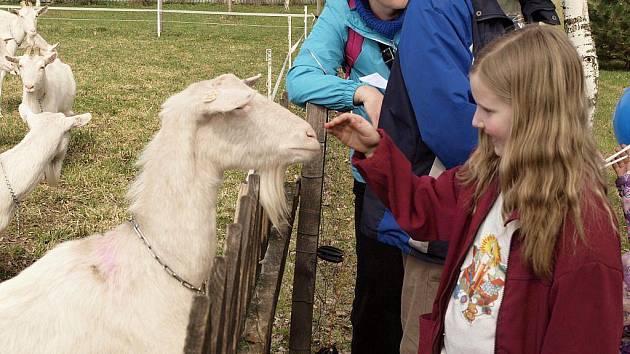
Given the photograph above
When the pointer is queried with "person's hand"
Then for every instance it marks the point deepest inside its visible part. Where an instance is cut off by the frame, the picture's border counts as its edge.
(371, 99)
(354, 131)
(621, 167)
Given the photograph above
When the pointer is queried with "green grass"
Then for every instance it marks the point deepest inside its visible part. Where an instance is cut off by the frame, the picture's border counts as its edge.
(124, 73)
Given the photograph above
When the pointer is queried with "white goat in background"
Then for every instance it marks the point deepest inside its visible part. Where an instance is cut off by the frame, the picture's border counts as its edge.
(106, 293)
(17, 24)
(39, 154)
(38, 45)
(5, 65)
(47, 83)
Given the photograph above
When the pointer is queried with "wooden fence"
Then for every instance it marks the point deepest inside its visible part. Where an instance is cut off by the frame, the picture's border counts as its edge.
(236, 316)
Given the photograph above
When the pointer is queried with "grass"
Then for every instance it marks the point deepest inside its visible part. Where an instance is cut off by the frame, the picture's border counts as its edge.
(123, 74)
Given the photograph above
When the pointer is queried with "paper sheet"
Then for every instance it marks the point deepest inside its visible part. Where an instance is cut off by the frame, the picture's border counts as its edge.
(375, 80)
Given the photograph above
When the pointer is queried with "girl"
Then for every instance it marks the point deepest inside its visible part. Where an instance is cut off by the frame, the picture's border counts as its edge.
(534, 257)
(622, 169)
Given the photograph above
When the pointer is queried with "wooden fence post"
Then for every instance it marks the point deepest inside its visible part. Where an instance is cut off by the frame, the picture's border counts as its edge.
(307, 240)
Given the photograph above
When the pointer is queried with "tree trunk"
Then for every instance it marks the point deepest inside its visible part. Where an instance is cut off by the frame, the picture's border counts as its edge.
(578, 28)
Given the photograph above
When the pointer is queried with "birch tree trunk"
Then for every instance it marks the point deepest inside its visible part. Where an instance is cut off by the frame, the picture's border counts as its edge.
(578, 28)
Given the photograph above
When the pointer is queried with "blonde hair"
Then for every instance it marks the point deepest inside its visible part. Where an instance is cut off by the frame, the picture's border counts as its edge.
(550, 157)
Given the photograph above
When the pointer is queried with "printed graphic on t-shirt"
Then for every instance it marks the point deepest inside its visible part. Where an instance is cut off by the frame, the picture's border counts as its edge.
(480, 284)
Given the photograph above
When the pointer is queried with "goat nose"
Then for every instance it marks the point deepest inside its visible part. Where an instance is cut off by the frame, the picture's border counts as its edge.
(311, 133)
(29, 87)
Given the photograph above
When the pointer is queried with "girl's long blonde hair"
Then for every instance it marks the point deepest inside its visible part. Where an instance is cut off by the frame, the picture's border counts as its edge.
(550, 158)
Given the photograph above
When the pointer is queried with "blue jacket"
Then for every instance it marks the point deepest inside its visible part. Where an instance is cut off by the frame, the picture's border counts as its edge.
(313, 77)
(428, 106)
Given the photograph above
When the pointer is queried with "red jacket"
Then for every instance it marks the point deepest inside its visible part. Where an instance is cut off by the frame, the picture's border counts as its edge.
(578, 310)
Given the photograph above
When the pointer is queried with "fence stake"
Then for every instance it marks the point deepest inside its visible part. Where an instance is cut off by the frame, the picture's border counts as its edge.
(305, 21)
(309, 219)
(290, 42)
(268, 58)
(159, 18)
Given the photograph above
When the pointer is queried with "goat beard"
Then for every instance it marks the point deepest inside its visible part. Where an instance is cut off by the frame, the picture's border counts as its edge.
(272, 196)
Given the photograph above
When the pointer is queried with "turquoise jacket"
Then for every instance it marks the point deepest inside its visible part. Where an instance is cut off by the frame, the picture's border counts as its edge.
(313, 76)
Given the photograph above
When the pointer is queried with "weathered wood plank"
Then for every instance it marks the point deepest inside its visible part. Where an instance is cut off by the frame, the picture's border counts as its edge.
(197, 325)
(262, 308)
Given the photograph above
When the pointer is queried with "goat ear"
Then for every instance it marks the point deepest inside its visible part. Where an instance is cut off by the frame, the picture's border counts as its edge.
(5, 67)
(226, 100)
(251, 81)
(78, 120)
(15, 11)
(12, 59)
(42, 10)
(53, 47)
(50, 58)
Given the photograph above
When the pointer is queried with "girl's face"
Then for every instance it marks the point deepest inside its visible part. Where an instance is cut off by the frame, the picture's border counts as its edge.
(493, 115)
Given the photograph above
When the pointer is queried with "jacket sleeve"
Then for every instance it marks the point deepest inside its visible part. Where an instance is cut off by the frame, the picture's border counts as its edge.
(425, 207)
(313, 76)
(586, 316)
(435, 57)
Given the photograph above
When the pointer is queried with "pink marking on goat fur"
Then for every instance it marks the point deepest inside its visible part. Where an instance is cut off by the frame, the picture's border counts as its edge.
(106, 255)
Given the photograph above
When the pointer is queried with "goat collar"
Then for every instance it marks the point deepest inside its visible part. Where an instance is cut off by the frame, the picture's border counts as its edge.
(14, 197)
(39, 101)
(199, 290)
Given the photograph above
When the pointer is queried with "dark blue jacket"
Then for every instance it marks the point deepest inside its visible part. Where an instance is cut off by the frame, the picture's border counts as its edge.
(428, 106)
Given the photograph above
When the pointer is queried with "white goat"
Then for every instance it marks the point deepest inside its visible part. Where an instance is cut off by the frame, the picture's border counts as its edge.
(38, 45)
(40, 153)
(106, 293)
(47, 83)
(5, 65)
(16, 24)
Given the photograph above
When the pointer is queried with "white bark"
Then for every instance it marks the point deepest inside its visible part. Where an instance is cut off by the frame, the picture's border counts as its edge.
(578, 28)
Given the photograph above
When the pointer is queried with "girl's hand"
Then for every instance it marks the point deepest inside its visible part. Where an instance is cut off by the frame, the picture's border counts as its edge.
(622, 167)
(354, 131)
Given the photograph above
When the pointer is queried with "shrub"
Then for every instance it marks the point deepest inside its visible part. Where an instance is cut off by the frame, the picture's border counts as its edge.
(610, 21)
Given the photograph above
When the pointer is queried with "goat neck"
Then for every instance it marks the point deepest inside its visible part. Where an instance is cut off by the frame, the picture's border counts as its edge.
(35, 99)
(173, 199)
(24, 166)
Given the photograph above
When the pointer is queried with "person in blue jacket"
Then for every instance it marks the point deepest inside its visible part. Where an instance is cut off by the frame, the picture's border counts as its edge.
(376, 324)
(427, 111)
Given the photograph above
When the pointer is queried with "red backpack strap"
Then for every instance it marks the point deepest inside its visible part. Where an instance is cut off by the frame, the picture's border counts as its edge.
(353, 45)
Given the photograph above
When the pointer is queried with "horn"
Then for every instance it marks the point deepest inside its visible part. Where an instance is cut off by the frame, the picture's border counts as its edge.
(250, 81)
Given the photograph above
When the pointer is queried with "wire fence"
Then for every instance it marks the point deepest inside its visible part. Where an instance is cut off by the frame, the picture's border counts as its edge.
(152, 2)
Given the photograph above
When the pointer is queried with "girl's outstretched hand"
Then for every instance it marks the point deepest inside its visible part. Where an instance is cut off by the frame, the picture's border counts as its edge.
(622, 167)
(354, 131)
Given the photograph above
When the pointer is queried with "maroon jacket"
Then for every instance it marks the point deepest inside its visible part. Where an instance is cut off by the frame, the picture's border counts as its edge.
(577, 310)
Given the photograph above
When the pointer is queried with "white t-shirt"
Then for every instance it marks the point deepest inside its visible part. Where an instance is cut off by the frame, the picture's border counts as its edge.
(471, 317)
